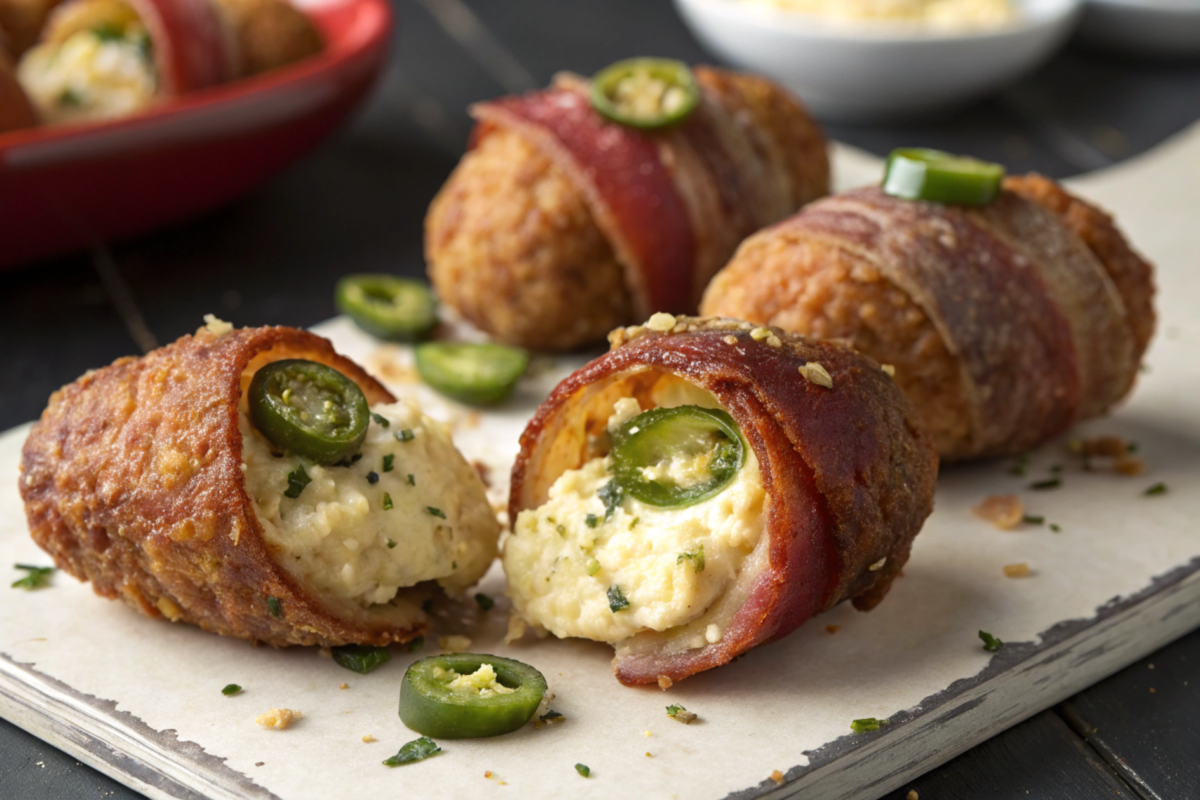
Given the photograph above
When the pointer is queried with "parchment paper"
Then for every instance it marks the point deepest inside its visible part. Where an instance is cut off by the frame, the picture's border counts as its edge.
(759, 714)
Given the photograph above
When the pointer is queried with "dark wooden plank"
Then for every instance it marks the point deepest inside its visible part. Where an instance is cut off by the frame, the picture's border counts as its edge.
(30, 769)
(1144, 721)
(1041, 757)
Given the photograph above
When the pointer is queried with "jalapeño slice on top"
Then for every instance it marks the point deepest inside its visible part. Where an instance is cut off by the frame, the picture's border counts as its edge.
(677, 457)
(388, 307)
(919, 174)
(434, 703)
(309, 409)
(645, 93)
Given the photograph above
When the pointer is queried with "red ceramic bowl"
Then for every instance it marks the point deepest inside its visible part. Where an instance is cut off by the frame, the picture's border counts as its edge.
(69, 187)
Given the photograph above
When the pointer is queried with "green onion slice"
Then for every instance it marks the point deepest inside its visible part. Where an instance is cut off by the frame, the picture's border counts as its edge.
(400, 309)
(919, 174)
(416, 750)
(479, 374)
(309, 409)
(430, 705)
(645, 93)
(701, 445)
(361, 658)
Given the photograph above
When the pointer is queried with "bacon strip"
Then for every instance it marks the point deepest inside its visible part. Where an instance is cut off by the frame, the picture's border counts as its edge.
(848, 472)
(192, 47)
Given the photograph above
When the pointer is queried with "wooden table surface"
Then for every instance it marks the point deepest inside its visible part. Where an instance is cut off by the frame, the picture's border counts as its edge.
(357, 204)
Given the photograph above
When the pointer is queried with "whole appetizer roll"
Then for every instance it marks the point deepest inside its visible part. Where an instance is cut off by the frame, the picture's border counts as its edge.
(100, 59)
(707, 486)
(590, 205)
(1005, 322)
(257, 484)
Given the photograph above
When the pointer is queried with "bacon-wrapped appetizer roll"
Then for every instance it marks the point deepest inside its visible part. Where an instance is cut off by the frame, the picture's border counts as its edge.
(257, 484)
(1006, 323)
(562, 223)
(707, 486)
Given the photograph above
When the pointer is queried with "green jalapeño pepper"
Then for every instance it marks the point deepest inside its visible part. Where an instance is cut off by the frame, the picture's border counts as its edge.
(677, 457)
(646, 93)
(480, 374)
(309, 409)
(917, 174)
(469, 695)
(400, 309)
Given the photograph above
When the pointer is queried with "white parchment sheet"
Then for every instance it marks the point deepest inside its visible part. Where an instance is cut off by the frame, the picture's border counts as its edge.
(757, 715)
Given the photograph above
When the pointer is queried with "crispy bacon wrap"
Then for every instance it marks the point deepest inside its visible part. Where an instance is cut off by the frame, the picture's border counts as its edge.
(560, 225)
(1006, 324)
(15, 110)
(847, 472)
(135, 479)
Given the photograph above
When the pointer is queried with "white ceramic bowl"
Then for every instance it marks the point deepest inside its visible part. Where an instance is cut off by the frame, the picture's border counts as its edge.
(876, 71)
(1157, 28)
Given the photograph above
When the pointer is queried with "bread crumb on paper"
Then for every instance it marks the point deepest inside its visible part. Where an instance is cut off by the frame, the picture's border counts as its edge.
(832, 628)
(777, 776)
(344, 686)
(1021, 570)
(664, 682)
(279, 718)
(1004, 511)
(217, 326)
(368, 739)
(912, 795)
(454, 644)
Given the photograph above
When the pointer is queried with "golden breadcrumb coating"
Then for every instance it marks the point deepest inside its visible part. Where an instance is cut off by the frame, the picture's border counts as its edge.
(270, 34)
(512, 245)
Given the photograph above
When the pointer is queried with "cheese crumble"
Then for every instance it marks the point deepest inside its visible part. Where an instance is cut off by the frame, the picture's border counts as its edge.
(89, 76)
(480, 683)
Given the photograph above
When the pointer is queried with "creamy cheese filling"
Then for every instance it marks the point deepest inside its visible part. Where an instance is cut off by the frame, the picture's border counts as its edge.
(570, 563)
(483, 682)
(340, 536)
(90, 75)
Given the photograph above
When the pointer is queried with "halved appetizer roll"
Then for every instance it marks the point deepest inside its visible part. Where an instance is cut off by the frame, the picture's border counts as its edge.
(595, 203)
(257, 484)
(1006, 322)
(707, 486)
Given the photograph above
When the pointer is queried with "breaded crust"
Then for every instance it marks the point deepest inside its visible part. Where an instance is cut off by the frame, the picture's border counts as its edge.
(1003, 324)
(849, 474)
(132, 479)
(21, 23)
(270, 34)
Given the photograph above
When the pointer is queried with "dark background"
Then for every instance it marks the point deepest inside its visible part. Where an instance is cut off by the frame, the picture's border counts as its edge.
(357, 204)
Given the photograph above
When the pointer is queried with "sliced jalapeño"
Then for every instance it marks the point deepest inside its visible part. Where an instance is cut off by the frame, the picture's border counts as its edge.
(677, 457)
(919, 174)
(646, 93)
(469, 695)
(308, 409)
(479, 374)
(400, 309)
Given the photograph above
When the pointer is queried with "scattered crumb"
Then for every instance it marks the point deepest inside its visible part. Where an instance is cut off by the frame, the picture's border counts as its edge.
(1126, 465)
(1017, 570)
(912, 795)
(889, 370)
(217, 326)
(648, 755)
(777, 776)
(731, 339)
(878, 565)
(1004, 511)
(344, 686)
(369, 738)
(259, 763)
(815, 373)
(278, 718)
(487, 774)
(502, 783)
(516, 628)
(454, 644)
(832, 628)
(664, 682)
(661, 322)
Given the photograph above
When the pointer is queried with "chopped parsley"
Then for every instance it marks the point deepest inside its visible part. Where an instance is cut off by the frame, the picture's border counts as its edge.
(387, 506)
(562, 530)
(416, 750)
(274, 607)
(391, 543)
(412, 481)
(484, 602)
(297, 480)
(437, 512)
(1049, 483)
(1031, 520)
(37, 577)
(584, 770)
(867, 724)
(695, 556)
(372, 477)
(416, 644)
(551, 716)
(990, 643)
(405, 435)
(678, 712)
(611, 495)
(70, 98)
(1158, 488)
(591, 520)
(1019, 465)
(345, 462)
(388, 462)
(381, 419)
(593, 566)
(231, 690)
(360, 658)
(616, 599)
(1054, 527)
